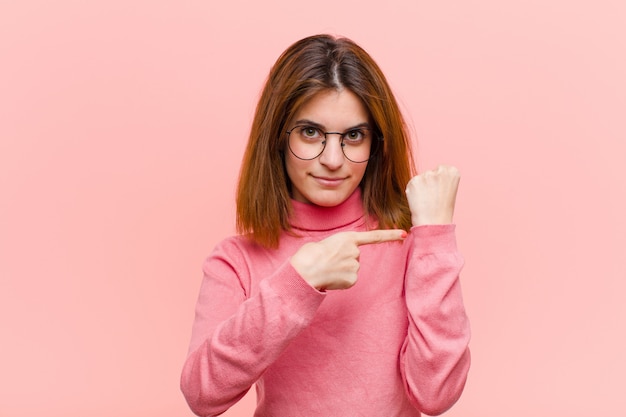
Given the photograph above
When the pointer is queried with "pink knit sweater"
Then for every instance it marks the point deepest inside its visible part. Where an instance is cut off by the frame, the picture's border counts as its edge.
(394, 344)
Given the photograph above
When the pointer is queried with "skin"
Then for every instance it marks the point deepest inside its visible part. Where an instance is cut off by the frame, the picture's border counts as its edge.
(329, 179)
(432, 195)
(333, 263)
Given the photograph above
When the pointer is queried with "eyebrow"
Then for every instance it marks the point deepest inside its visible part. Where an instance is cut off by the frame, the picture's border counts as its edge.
(321, 126)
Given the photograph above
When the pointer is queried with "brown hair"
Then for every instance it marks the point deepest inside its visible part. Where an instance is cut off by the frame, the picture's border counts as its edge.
(311, 65)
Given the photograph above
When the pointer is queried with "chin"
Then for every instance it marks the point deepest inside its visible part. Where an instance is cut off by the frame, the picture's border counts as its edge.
(329, 199)
(326, 203)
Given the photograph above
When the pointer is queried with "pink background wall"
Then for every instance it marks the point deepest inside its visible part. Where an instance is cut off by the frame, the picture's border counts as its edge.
(122, 125)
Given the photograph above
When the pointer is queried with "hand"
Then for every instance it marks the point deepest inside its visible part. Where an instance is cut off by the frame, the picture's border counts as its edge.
(332, 263)
(432, 196)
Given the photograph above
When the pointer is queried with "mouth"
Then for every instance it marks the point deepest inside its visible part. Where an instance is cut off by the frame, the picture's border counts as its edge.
(329, 181)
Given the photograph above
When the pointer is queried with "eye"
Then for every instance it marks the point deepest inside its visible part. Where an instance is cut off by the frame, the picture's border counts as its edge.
(354, 136)
(309, 132)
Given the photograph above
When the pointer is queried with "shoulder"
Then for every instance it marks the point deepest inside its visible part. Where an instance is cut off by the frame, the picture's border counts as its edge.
(235, 251)
(232, 247)
(230, 263)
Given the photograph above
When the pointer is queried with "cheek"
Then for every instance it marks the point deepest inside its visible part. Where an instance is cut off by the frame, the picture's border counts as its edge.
(359, 171)
(294, 167)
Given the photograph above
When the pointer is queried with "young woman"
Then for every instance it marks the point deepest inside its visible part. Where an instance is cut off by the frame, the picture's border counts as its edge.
(340, 296)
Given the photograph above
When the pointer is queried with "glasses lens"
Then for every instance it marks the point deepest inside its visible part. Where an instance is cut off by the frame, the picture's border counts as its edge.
(306, 142)
(357, 144)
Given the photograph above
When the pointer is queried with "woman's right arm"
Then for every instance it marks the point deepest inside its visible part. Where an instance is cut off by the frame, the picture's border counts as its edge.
(238, 333)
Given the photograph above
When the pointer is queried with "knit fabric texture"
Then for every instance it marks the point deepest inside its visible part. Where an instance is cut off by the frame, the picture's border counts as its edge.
(395, 344)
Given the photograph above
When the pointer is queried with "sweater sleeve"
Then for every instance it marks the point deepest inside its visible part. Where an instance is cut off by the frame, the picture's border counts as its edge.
(435, 357)
(238, 332)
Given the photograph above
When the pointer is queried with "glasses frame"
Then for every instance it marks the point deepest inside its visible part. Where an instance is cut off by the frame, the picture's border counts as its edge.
(373, 148)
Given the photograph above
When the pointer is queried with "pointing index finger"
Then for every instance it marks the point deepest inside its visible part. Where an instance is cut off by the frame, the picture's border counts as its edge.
(378, 236)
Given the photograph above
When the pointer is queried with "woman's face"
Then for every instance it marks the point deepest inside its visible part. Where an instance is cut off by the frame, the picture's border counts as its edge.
(329, 179)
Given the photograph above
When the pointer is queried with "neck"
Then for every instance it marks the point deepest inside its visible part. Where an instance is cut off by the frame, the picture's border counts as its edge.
(312, 217)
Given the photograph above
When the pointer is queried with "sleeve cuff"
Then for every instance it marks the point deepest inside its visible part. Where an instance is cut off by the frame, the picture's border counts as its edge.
(429, 239)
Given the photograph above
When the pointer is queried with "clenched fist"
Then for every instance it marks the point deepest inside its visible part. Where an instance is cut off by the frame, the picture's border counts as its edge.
(333, 263)
(432, 195)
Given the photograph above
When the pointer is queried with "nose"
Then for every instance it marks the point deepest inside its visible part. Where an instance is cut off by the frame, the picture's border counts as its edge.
(332, 157)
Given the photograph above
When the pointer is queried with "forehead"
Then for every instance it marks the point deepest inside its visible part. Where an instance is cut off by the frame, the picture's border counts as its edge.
(335, 109)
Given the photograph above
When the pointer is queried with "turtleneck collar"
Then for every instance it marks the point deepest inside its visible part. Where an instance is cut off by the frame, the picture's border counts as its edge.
(312, 217)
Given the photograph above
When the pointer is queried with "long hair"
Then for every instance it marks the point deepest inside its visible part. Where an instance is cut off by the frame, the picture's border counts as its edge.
(311, 65)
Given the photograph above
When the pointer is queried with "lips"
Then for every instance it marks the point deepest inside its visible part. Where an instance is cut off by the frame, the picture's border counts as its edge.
(329, 181)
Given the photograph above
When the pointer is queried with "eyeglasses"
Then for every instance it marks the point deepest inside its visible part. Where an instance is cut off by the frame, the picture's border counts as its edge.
(308, 142)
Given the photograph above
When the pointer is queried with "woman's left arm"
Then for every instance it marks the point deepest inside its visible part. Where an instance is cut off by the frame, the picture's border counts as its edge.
(435, 357)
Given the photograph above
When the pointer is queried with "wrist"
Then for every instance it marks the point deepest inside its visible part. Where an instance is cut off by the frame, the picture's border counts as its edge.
(431, 221)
